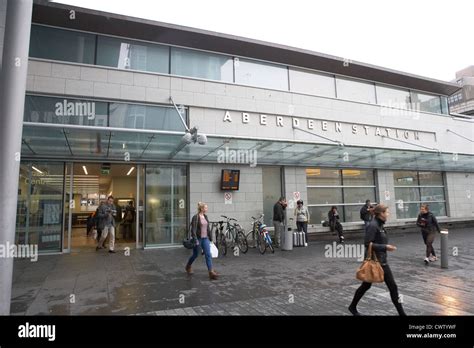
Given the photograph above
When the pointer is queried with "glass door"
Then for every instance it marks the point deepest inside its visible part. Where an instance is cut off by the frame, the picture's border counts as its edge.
(166, 197)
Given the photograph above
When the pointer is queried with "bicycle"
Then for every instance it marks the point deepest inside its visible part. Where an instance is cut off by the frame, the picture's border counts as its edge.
(235, 234)
(221, 241)
(259, 229)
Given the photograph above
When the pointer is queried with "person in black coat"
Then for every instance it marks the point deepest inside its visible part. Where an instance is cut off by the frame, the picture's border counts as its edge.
(335, 224)
(429, 225)
(376, 234)
(201, 232)
(366, 213)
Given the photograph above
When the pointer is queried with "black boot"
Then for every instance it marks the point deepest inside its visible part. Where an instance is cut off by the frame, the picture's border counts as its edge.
(400, 310)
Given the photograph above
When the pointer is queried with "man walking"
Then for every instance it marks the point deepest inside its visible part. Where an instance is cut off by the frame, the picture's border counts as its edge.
(279, 220)
(366, 213)
(106, 214)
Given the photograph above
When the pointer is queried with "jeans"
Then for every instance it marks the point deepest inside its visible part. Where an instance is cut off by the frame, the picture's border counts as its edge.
(392, 287)
(279, 230)
(205, 244)
(105, 232)
(428, 238)
(303, 226)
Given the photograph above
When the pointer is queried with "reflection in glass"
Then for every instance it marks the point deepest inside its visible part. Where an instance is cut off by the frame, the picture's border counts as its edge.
(312, 83)
(261, 74)
(405, 178)
(40, 206)
(426, 102)
(201, 65)
(135, 55)
(166, 198)
(391, 97)
(355, 90)
(63, 45)
(271, 191)
(320, 176)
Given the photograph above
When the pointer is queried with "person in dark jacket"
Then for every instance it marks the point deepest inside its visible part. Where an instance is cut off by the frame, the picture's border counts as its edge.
(429, 225)
(279, 220)
(377, 235)
(366, 213)
(335, 224)
(201, 232)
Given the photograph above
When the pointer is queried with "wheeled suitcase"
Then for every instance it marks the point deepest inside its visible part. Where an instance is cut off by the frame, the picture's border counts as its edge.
(301, 239)
(295, 239)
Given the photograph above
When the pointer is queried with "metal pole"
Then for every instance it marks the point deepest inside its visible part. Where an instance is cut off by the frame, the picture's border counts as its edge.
(12, 101)
(444, 249)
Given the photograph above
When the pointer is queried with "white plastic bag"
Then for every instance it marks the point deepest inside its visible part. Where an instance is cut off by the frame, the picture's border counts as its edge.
(214, 250)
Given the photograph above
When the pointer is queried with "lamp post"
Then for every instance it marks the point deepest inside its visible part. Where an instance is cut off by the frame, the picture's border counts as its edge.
(444, 248)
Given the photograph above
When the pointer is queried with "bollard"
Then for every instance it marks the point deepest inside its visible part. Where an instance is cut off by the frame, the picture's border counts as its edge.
(444, 248)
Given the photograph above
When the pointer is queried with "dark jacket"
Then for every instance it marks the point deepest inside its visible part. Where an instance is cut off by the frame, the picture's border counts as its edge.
(365, 214)
(103, 215)
(376, 234)
(428, 222)
(196, 227)
(278, 212)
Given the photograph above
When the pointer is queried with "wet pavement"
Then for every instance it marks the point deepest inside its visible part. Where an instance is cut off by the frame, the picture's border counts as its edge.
(299, 282)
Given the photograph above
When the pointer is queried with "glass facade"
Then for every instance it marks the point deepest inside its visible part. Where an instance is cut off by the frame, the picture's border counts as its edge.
(166, 197)
(102, 114)
(355, 90)
(391, 97)
(412, 188)
(312, 83)
(426, 102)
(71, 46)
(347, 189)
(261, 74)
(271, 191)
(63, 45)
(127, 54)
(40, 206)
(201, 65)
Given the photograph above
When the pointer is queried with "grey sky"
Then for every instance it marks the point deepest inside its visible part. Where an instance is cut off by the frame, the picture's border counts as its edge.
(432, 38)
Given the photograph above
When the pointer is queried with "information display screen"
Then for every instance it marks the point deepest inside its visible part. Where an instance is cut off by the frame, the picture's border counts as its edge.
(230, 179)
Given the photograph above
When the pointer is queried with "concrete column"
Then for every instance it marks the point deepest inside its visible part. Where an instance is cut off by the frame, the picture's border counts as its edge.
(12, 100)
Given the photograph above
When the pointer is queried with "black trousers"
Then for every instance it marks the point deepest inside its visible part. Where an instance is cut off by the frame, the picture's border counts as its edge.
(303, 226)
(428, 238)
(392, 287)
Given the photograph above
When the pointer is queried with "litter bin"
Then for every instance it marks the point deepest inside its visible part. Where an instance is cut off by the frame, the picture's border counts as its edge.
(287, 238)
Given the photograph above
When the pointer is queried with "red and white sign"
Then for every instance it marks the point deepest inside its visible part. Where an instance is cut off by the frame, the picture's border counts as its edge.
(297, 196)
(228, 198)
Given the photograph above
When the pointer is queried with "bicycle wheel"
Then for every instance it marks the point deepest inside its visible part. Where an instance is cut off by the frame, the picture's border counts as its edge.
(268, 241)
(222, 245)
(242, 242)
(262, 245)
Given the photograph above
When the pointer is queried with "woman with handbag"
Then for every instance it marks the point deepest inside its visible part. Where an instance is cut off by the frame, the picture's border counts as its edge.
(201, 232)
(376, 238)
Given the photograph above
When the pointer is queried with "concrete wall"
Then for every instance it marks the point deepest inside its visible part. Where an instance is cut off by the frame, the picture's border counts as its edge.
(205, 187)
(208, 101)
(460, 194)
(3, 12)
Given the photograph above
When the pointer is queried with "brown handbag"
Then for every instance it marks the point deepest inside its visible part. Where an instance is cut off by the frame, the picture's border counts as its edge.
(370, 271)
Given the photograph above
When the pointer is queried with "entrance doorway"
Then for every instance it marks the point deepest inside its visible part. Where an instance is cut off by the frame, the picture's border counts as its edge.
(92, 184)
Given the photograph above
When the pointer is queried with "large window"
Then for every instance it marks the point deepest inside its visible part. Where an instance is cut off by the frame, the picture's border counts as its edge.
(426, 102)
(126, 54)
(312, 83)
(414, 188)
(355, 90)
(201, 65)
(65, 111)
(64, 45)
(261, 74)
(391, 97)
(103, 114)
(347, 189)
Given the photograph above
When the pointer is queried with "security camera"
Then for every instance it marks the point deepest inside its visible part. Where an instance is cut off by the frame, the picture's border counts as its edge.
(202, 139)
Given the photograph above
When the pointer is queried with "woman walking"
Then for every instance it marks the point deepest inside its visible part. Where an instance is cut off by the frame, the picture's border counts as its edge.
(302, 219)
(334, 224)
(376, 234)
(429, 225)
(201, 232)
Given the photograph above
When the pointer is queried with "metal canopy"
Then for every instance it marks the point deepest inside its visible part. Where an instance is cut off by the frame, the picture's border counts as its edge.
(71, 142)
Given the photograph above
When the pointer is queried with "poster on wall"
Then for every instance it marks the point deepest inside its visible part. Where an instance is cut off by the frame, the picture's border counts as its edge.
(51, 213)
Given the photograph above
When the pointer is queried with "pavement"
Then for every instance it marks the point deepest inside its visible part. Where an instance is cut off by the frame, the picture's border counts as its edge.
(299, 282)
